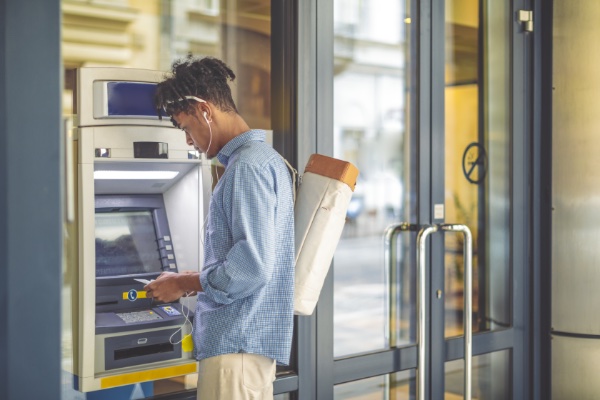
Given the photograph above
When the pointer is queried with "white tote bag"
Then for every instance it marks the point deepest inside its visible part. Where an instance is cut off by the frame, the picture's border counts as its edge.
(320, 213)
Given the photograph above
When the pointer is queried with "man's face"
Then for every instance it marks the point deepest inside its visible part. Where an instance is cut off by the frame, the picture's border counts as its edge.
(197, 132)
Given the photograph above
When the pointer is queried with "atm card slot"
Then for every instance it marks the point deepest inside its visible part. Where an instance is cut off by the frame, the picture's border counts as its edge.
(123, 354)
(107, 303)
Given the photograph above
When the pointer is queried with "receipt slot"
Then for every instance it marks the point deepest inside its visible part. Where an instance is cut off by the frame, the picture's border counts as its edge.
(141, 196)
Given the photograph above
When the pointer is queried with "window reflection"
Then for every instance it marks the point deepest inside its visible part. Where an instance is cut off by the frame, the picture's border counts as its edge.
(477, 140)
(490, 377)
(371, 130)
(151, 34)
(395, 386)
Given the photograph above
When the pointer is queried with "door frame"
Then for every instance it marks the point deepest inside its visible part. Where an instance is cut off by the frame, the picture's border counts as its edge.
(318, 372)
(515, 337)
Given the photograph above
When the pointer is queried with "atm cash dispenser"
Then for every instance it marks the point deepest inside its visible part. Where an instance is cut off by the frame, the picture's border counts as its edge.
(142, 193)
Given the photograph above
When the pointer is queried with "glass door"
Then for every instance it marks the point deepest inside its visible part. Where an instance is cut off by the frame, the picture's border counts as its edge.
(478, 135)
(430, 104)
(373, 129)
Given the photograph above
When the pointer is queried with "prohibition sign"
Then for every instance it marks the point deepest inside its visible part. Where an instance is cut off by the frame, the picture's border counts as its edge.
(475, 163)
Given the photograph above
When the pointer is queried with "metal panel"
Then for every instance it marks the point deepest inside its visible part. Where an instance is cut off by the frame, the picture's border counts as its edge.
(483, 343)
(306, 351)
(306, 142)
(432, 190)
(324, 345)
(576, 168)
(385, 362)
(30, 242)
(575, 368)
(87, 98)
(324, 78)
(285, 384)
(520, 202)
(542, 212)
(283, 77)
(324, 125)
(3, 207)
(307, 81)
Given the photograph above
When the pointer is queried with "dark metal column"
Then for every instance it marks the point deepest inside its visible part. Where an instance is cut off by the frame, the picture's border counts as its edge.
(30, 199)
(521, 200)
(3, 206)
(542, 203)
(436, 367)
(284, 77)
(306, 142)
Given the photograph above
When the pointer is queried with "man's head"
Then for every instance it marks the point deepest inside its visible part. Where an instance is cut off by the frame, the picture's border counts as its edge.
(197, 97)
(205, 78)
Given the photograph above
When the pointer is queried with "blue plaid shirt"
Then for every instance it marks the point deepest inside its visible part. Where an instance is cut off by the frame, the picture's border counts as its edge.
(248, 275)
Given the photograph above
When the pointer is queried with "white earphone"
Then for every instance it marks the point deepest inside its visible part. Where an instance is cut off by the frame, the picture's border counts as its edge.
(205, 118)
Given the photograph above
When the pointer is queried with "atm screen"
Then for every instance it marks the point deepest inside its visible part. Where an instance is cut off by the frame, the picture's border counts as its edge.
(130, 99)
(126, 243)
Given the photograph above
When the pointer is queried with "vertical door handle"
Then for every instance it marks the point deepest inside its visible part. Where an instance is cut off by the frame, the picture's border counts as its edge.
(468, 299)
(391, 276)
(391, 234)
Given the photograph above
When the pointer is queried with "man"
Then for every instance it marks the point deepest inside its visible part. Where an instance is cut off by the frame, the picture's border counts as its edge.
(244, 316)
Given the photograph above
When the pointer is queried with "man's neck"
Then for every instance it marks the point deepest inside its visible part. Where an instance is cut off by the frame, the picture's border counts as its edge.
(230, 128)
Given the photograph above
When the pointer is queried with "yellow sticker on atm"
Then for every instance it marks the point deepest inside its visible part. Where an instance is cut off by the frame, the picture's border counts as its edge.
(133, 295)
(151, 375)
(187, 344)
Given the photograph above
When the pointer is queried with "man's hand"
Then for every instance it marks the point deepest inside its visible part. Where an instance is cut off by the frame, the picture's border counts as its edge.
(171, 286)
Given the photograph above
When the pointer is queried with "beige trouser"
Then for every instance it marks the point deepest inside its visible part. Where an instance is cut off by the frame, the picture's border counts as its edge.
(239, 376)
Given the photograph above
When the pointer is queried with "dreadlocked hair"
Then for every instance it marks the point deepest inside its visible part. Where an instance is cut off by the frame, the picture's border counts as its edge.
(206, 78)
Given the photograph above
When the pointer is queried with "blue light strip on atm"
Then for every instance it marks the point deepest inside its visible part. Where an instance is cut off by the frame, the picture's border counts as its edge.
(130, 99)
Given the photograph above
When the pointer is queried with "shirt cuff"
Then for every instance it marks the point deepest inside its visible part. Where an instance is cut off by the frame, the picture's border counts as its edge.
(214, 294)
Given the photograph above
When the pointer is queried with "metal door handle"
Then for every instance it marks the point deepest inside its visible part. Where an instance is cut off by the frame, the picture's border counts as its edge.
(468, 299)
(390, 236)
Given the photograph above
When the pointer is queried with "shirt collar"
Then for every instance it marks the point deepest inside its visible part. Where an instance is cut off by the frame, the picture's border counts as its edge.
(237, 142)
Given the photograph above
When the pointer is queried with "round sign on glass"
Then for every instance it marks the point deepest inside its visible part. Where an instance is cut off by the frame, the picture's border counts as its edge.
(475, 163)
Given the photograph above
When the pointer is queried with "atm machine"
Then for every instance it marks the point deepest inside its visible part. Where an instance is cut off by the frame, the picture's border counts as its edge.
(141, 195)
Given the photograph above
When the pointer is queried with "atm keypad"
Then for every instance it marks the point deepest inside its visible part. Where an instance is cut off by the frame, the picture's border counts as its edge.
(139, 316)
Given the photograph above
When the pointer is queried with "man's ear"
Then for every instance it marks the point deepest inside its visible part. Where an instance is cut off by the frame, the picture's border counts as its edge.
(206, 112)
